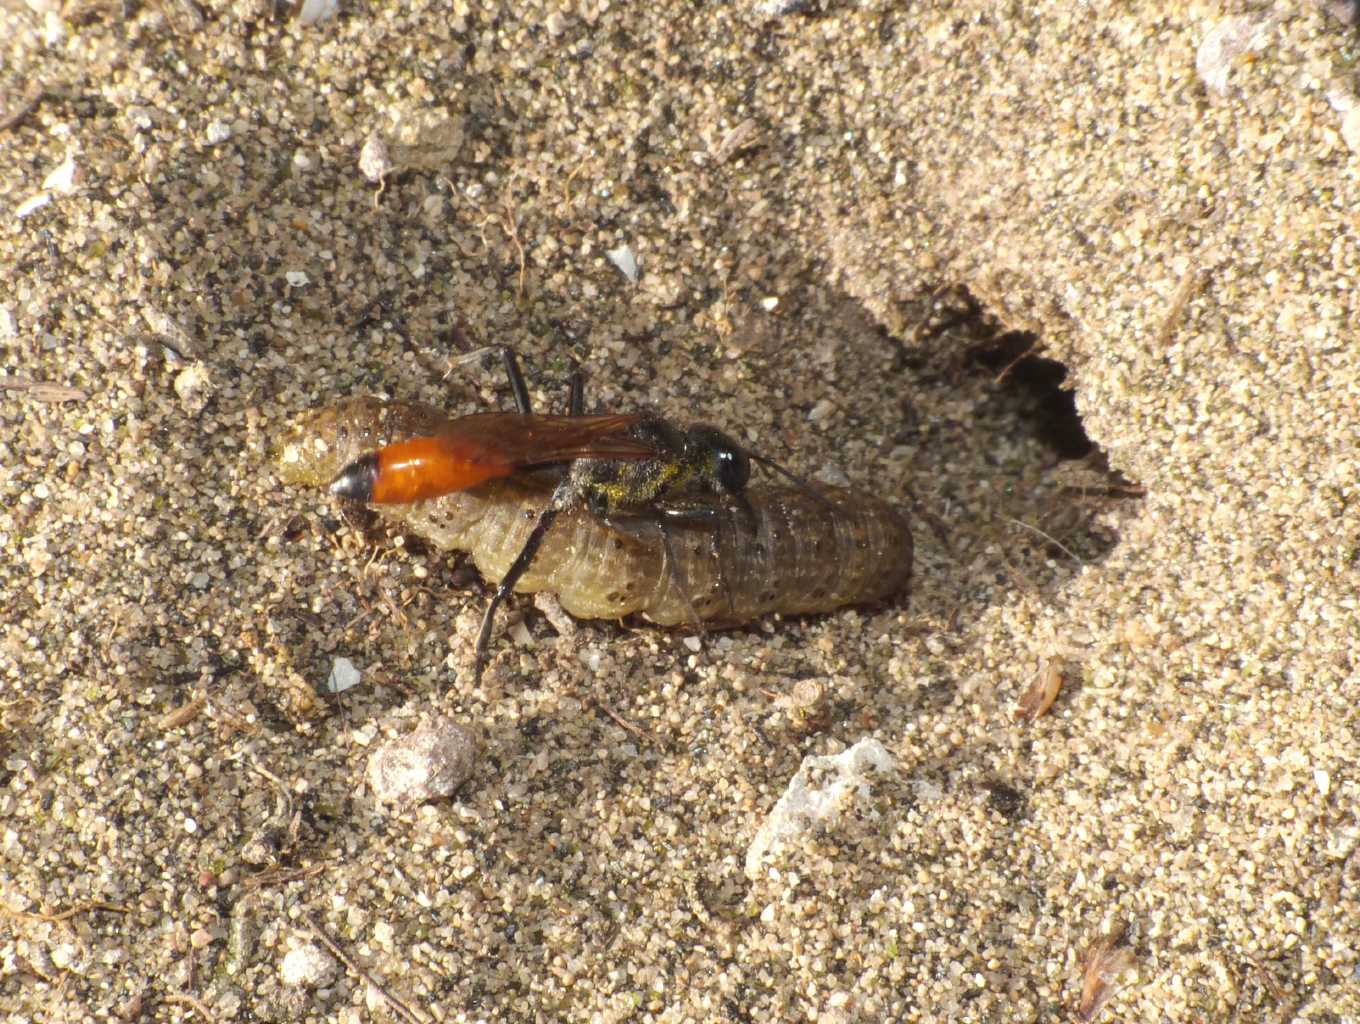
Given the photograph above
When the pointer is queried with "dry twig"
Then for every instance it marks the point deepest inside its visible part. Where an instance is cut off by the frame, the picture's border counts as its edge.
(42, 390)
(65, 915)
(28, 103)
(190, 1001)
(399, 1008)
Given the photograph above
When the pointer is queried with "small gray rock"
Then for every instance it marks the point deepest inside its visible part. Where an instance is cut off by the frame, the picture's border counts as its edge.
(431, 762)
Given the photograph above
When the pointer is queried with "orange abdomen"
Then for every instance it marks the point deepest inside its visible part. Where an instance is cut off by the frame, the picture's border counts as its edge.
(428, 467)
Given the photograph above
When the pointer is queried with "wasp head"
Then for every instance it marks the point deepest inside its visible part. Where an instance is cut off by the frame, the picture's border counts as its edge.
(719, 460)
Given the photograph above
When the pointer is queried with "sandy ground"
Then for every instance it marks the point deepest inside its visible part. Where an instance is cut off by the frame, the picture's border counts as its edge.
(190, 255)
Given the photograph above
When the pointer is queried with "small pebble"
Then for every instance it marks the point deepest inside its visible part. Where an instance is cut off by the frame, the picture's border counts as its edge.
(217, 133)
(343, 676)
(193, 386)
(623, 258)
(307, 966)
(374, 162)
(1228, 40)
(819, 793)
(429, 763)
(313, 12)
(64, 178)
(32, 205)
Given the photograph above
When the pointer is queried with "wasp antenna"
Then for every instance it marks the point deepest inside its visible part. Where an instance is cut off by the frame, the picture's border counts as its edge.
(815, 493)
(576, 391)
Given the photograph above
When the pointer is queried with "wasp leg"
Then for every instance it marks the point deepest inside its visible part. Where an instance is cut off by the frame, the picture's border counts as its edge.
(717, 520)
(518, 388)
(576, 394)
(677, 575)
(560, 499)
(723, 580)
(634, 526)
(711, 518)
(748, 514)
(703, 517)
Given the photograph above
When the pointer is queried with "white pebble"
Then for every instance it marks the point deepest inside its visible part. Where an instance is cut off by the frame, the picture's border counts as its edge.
(343, 676)
(623, 258)
(1223, 44)
(1350, 128)
(32, 204)
(1323, 780)
(65, 956)
(374, 162)
(63, 178)
(54, 29)
(307, 967)
(193, 386)
(822, 410)
(818, 793)
(313, 12)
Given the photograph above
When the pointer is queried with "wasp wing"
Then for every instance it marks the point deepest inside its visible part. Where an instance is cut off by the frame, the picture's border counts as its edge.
(522, 441)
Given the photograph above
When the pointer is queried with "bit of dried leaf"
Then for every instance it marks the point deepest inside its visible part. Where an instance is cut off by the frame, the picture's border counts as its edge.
(743, 136)
(1042, 692)
(182, 715)
(1104, 961)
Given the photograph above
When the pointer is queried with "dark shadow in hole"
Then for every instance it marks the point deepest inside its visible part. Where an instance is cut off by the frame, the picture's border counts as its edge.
(1019, 370)
(1026, 389)
(1051, 408)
